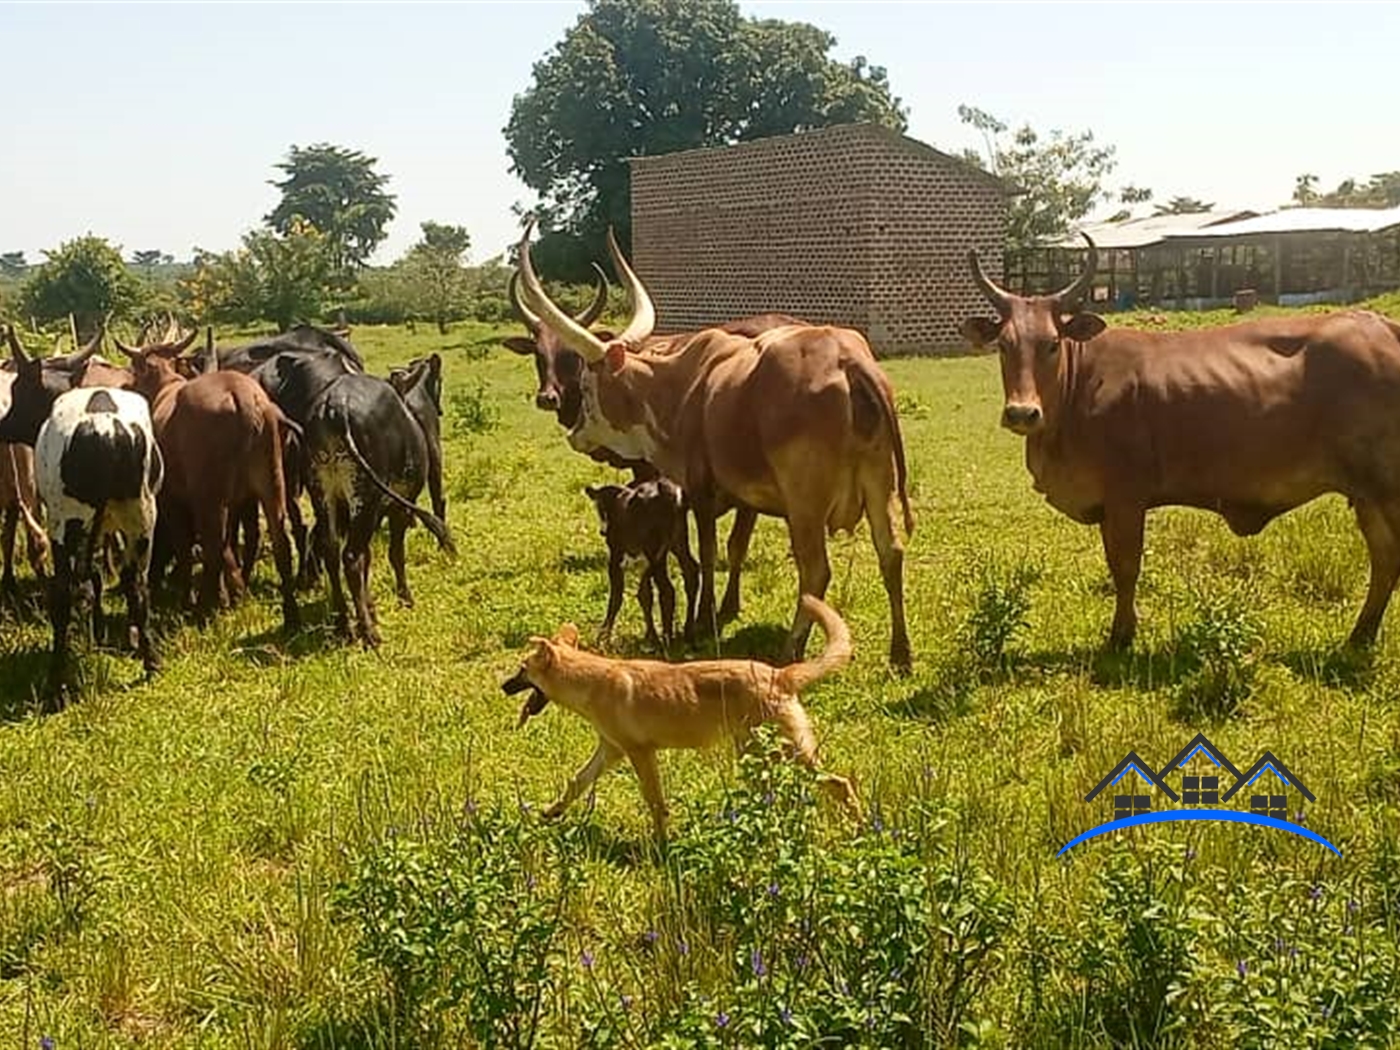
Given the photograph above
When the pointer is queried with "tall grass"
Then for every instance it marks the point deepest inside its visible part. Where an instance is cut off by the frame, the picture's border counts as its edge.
(290, 843)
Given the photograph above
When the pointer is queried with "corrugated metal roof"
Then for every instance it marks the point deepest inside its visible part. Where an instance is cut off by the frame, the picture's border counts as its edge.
(1305, 220)
(1151, 229)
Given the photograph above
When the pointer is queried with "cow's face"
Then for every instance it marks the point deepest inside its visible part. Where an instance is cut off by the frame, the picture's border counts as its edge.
(1030, 341)
(1031, 334)
(614, 414)
(558, 369)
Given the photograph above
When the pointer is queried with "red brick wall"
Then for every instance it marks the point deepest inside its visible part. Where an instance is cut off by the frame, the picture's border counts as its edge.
(848, 225)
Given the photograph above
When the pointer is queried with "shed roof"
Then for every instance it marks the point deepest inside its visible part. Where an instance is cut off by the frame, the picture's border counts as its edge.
(1150, 229)
(889, 135)
(1305, 220)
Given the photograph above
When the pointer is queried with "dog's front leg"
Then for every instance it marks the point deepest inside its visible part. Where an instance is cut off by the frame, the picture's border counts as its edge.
(644, 762)
(605, 756)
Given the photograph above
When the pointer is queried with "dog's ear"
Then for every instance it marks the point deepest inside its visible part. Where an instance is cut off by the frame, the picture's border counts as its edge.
(567, 635)
(544, 651)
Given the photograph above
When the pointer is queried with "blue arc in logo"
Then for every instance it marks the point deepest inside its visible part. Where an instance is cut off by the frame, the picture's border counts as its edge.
(1235, 815)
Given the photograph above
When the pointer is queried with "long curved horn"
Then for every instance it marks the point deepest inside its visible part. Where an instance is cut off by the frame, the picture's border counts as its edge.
(998, 296)
(16, 347)
(600, 300)
(1071, 295)
(643, 313)
(574, 336)
(532, 321)
(79, 357)
(172, 328)
(172, 350)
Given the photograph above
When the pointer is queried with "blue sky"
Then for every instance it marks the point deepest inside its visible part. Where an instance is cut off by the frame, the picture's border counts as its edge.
(157, 125)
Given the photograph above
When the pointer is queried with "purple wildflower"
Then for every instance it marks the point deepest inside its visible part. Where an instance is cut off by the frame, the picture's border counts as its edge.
(1242, 967)
(1298, 817)
(769, 798)
(46, 1043)
(756, 962)
(1293, 952)
(721, 1019)
(626, 1001)
(772, 889)
(651, 937)
(801, 961)
(1315, 894)
(1190, 854)
(1351, 907)
(586, 959)
(1326, 1012)
(682, 947)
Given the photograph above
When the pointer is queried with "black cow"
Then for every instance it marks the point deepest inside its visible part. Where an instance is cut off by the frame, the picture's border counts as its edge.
(419, 383)
(368, 457)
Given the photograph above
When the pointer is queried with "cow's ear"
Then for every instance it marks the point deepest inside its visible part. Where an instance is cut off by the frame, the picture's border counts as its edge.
(981, 331)
(616, 357)
(1082, 327)
(519, 344)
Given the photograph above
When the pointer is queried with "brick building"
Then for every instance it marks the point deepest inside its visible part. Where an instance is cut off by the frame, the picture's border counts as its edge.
(854, 225)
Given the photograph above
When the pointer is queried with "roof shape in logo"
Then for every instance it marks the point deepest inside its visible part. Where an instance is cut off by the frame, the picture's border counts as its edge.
(1265, 764)
(1131, 761)
(1199, 743)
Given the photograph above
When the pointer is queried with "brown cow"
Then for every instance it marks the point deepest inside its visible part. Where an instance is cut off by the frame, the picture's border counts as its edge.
(221, 439)
(798, 422)
(1249, 420)
(560, 391)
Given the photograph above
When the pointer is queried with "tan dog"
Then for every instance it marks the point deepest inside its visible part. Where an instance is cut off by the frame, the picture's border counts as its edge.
(639, 707)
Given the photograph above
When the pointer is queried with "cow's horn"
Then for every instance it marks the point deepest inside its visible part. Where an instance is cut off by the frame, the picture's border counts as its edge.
(531, 321)
(133, 352)
(996, 295)
(93, 345)
(600, 300)
(577, 338)
(16, 347)
(1070, 297)
(643, 313)
(183, 345)
(172, 328)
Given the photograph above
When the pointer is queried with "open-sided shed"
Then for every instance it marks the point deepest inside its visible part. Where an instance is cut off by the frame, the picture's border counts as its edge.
(854, 225)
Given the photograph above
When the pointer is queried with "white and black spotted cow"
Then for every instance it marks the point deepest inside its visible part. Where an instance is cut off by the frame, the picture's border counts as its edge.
(99, 470)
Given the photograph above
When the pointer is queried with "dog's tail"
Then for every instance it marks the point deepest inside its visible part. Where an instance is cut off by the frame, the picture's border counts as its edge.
(835, 656)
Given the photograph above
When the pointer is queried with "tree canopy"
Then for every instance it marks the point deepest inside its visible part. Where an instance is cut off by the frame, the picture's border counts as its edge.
(437, 273)
(1061, 175)
(338, 192)
(1379, 191)
(643, 77)
(85, 277)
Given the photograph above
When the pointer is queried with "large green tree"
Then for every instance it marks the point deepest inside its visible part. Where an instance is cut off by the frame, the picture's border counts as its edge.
(339, 192)
(1061, 175)
(640, 77)
(437, 274)
(85, 277)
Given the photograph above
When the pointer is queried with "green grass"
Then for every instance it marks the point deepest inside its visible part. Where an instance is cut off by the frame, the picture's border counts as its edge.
(291, 843)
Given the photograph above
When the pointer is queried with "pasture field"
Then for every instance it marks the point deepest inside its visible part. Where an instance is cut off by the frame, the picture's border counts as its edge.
(293, 843)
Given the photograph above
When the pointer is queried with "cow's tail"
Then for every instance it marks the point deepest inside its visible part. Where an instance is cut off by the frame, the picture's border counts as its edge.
(835, 655)
(430, 521)
(879, 392)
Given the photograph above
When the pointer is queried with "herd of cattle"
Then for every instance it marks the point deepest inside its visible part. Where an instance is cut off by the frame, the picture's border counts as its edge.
(178, 452)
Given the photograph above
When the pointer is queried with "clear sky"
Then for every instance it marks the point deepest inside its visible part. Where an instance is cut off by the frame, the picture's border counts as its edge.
(157, 125)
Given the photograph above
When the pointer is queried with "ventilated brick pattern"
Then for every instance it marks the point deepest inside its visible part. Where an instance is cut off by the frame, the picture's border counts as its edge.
(849, 225)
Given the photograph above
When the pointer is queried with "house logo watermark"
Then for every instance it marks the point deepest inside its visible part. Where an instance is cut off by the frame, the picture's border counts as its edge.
(1200, 783)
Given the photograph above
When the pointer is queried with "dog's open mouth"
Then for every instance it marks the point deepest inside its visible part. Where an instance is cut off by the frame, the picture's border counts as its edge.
(534, 703)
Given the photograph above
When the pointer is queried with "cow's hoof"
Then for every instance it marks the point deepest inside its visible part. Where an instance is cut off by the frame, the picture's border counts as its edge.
(728, 614)
(901, 660)
(371, 638)
(406, 598)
